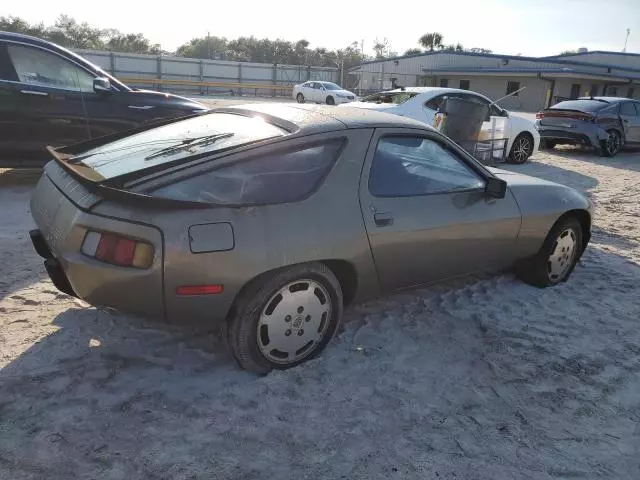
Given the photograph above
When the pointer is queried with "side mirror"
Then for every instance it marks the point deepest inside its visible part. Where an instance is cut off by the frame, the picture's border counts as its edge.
(101, 85)
(495, 187)
(505, 113)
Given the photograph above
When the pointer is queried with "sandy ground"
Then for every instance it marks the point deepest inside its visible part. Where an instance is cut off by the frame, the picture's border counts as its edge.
(483, 378)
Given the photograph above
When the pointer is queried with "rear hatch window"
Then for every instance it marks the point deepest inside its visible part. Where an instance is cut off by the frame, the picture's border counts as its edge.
(393, 98)
(588, 106)
(172, 143)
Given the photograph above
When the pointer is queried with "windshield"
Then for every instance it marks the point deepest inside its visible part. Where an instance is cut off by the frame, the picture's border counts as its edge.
(331, 86)
(581, 105)
(156, 146)
(395, 98)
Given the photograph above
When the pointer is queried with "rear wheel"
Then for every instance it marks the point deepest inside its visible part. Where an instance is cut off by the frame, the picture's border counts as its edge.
(521, 149)
(330, 100)
(300, 98)
(612, 145)
(285, 319)
(557, 257)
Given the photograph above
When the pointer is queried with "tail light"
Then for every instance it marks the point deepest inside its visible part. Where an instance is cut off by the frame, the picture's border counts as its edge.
(117, 249)
(539, 115)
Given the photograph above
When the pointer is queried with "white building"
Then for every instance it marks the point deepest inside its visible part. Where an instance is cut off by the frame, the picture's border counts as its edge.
(547, 80)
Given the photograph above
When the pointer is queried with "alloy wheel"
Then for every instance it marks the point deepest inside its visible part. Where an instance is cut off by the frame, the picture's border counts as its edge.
(521, 149)
(294, 321)
(613, 143)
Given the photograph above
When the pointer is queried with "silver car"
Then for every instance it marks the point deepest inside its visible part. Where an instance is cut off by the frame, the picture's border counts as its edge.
(269, 219)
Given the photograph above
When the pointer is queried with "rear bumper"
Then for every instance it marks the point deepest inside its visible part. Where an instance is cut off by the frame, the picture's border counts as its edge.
(590, 135)
(61, 229)
(53, 267)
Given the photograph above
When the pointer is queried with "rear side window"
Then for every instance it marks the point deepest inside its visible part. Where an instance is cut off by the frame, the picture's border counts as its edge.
(282, 177)
(435, 102)
(628, 109)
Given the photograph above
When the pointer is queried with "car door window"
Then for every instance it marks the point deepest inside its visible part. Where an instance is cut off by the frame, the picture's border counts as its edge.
(37, 67)
(6, 68)
(409, 166)
(628, 109)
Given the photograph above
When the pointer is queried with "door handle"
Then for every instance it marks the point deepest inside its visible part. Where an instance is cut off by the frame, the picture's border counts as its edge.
(141, 107)
(383, 219)
(34, 92)
(625, 121)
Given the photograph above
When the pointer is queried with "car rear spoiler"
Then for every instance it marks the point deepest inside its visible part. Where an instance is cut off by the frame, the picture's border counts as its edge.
(94, 183)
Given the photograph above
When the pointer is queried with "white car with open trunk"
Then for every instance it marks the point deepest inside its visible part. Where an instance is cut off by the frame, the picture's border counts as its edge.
(422, 103)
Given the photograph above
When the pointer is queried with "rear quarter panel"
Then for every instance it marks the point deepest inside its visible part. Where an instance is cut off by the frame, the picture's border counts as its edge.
(327, 225)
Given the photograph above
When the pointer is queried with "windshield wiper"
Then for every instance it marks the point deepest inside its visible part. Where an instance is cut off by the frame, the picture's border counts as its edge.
(188, 143)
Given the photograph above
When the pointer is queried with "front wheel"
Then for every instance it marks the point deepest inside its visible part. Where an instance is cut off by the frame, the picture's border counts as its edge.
(557, 257)
(612, 145)
(286, 318)
(300, 98)
(331, 100)
(521, 149)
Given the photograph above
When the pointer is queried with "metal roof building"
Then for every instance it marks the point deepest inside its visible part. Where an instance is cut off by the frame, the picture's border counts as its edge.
(546, 80)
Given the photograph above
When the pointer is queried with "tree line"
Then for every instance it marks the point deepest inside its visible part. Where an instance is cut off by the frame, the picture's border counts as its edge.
(69, 33)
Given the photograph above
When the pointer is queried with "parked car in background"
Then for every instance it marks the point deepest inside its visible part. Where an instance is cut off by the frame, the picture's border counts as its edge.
(269, 218)
(51, 96)
(422, 103)
(322, 92)
(605, 123)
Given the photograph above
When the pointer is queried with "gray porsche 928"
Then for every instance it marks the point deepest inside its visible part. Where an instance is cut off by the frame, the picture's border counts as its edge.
(269, 219)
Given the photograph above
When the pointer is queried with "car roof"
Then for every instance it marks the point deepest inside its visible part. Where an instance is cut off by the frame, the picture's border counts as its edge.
(324, 118)
(25, 38)
(434, 91)
(608, 99)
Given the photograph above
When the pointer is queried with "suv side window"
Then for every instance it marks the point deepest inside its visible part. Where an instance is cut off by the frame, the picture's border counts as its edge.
(408, 166)
(37, 67)
(283, 177)
(629, 109)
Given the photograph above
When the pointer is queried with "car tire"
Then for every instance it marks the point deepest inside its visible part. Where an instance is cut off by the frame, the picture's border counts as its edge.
(521, 149)
(557, 257)
(547, 144)
(612, 145)
(274, 310)
(300, 98)
(331, 100)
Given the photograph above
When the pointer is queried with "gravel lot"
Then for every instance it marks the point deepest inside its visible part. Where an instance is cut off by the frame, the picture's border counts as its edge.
(482, 378)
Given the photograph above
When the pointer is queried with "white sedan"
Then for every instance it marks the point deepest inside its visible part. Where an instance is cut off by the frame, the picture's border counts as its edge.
(322, 92)
(422, 103)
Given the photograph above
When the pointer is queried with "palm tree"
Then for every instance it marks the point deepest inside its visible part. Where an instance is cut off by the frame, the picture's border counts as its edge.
(431, 41)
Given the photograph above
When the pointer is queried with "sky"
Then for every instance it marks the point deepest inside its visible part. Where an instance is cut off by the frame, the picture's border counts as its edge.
(526, 27)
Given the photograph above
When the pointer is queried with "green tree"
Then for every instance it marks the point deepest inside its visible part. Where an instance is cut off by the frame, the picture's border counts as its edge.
(413, 51)
(204, 47)
(431, 41)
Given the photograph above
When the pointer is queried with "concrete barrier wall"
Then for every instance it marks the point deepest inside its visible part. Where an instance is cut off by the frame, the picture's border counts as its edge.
(129, 67)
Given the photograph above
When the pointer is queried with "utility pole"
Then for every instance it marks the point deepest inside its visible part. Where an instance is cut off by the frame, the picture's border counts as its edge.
(209, 45)
(626, 40)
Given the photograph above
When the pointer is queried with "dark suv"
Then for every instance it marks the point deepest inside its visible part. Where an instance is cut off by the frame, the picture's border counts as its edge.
(606, 123)
(51, 96)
